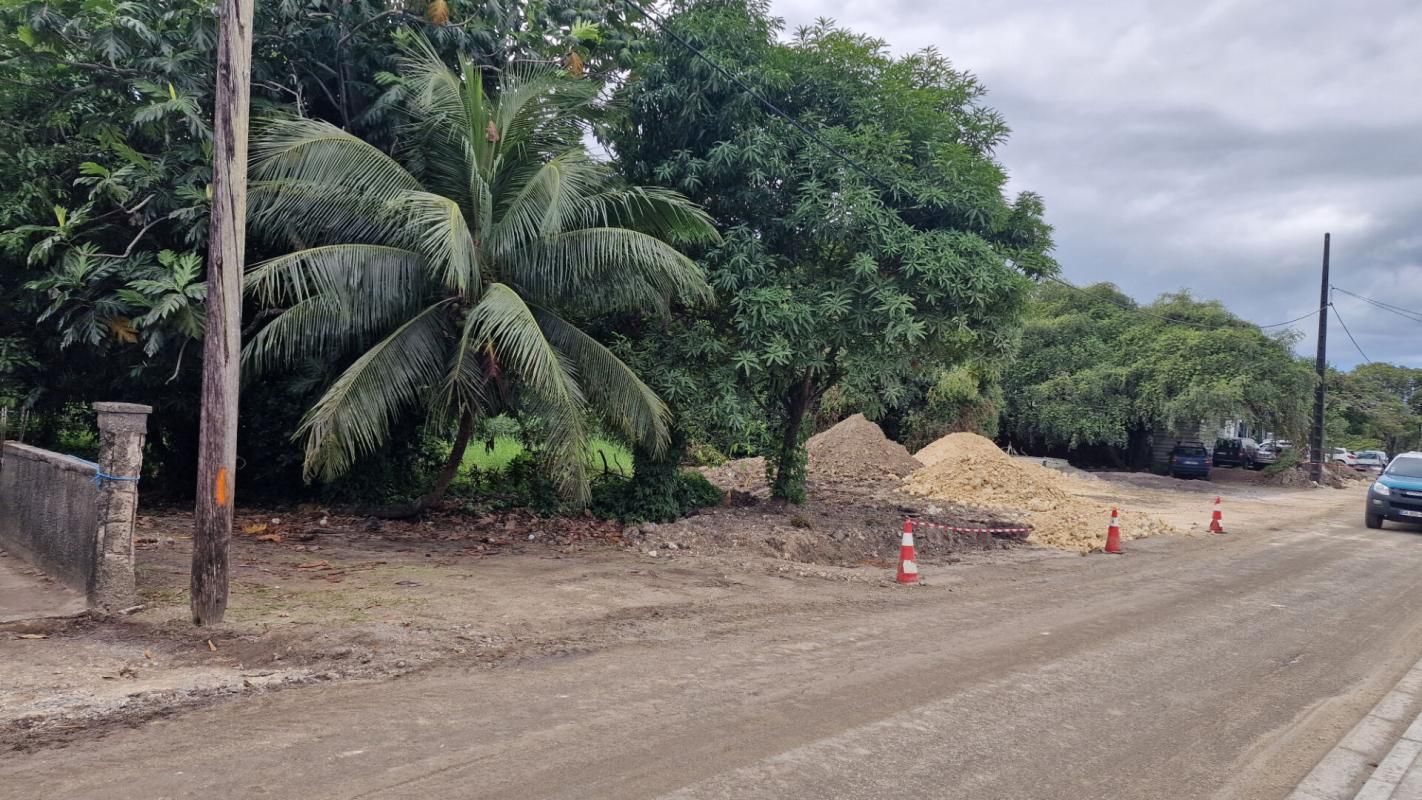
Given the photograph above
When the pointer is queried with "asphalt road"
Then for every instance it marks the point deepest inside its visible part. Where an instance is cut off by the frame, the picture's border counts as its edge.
(1191, 667)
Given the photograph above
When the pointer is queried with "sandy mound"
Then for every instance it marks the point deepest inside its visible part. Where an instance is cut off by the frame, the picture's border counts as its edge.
(856, 449)
(967, 468)
(958, 446)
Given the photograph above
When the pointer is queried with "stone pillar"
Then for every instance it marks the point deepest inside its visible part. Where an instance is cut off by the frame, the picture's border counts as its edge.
(122, 428)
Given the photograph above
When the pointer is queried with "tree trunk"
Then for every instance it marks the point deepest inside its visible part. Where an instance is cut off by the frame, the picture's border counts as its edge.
(217, 443)
(442, 480)
(790, 458)
(451, 464)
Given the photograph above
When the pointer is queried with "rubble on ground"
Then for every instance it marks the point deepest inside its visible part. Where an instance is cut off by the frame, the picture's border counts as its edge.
(1335, 476)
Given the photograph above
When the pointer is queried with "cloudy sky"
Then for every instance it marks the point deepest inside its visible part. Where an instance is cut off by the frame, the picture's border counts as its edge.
(1206, 145)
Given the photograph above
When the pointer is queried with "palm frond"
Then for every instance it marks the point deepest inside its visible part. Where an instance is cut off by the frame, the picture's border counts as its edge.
(621, 269)
(662, 213)
(540, 108)
(352, 268)
(508, 325)
(437, 95)
(610, 385)
(544, 198)
(354, 416)
(435, 225)
(340, 296)
(312, 176)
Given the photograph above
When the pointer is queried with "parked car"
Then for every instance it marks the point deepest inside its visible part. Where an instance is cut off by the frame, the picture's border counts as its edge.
(1190, 460)
(1342, 455)
(1237, 452)
(1397, 493)
(1270, 450)
(1371, 461)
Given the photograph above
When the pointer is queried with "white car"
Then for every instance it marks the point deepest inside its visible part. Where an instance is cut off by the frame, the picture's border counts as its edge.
(1343, 456)
(1371, 461)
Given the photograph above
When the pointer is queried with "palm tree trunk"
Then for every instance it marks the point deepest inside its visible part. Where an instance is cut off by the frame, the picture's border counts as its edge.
(442, 481)
(451, 464)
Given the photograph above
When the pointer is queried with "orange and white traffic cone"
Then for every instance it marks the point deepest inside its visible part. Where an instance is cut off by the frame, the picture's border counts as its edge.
(1113, 534)
(908, 562)
(1216, 518)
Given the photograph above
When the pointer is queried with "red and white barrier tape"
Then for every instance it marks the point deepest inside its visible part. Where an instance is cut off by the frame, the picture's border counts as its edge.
(954, 529)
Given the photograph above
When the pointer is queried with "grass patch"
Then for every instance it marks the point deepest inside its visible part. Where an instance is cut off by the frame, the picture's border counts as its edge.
(507, 448)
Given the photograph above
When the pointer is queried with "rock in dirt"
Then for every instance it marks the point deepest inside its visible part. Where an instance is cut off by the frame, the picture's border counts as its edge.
(970, 469)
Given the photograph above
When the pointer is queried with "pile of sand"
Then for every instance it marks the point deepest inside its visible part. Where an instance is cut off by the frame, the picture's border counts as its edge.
(969, 469)
(856, 449)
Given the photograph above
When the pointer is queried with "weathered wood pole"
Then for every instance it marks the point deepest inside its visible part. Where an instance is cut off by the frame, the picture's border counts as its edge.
(217, 443)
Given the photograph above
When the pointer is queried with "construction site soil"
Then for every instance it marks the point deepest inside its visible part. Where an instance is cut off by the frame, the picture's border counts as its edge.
(319, 595)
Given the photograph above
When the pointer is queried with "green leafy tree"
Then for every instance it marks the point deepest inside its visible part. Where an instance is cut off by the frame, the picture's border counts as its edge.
(107, 109)
(1096, 370)
(828, 277)
(451, 276)
(1375, 406)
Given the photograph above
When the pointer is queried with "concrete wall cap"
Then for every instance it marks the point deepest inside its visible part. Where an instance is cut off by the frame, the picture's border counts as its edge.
(122, 408)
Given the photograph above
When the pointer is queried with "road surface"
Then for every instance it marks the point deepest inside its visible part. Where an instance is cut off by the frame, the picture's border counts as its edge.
(1191, 667)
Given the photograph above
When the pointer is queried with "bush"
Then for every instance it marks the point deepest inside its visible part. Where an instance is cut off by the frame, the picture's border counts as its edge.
(1290, 459)
(703, 454)
(631, 500)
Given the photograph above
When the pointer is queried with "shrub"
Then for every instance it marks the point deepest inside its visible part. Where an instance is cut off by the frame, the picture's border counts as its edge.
(631, 500)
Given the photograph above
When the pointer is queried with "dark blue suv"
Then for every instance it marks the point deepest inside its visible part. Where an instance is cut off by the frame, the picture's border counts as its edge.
(1190, 460)
(1397, 493)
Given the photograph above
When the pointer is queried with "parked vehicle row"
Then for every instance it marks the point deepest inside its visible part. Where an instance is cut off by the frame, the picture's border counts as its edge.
(1191, 459)
(1237, 452)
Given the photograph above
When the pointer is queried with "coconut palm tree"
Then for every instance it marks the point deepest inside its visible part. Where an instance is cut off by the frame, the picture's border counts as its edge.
(455, 271)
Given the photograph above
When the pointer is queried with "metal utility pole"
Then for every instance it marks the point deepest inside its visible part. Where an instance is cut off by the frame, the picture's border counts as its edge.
(217, 442)
(1321, 366)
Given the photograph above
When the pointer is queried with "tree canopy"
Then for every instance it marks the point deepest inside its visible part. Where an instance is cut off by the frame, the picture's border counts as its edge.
(1095, 368)
(452, 274)
(858, 262)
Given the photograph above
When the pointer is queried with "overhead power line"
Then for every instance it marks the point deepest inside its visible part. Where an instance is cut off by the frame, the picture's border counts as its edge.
(1415, 316)
(1339, 317)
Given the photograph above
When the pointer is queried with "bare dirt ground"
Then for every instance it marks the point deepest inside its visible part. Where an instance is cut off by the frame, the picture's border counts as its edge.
(1193, 667)
(318, 597)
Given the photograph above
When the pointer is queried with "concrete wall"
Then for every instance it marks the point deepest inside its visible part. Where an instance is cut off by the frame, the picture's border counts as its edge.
(49, 511)
(74, 519)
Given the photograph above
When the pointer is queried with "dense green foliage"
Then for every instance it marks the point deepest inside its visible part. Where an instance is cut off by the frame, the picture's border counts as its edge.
(451, 272)
(1094, 370)
(438, 262)
(104, 196)
(1375, 407)
(829, 278)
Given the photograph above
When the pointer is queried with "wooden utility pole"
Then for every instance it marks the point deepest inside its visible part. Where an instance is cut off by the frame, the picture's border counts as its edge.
(217, 443)
(1321, 366)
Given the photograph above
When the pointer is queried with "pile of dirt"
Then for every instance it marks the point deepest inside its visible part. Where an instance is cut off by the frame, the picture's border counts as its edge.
(967, 468)
(1335, 476)
(855, 454)
(856, 449)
